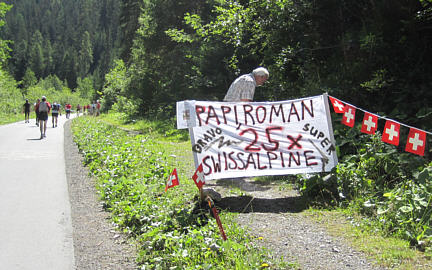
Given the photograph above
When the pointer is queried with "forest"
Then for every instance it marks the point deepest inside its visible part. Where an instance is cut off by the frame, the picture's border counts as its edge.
(140, 57)
(374, 54)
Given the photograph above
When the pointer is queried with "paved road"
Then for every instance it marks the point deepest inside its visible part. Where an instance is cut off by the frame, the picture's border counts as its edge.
(35, 215)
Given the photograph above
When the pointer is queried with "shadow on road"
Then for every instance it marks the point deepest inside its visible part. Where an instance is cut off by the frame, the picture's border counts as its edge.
(38, 139)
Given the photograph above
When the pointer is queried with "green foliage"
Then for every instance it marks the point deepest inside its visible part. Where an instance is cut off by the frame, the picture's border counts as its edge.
(10, 96)
(29, 79)
(4, 48)
(376, 180)
(115, 82)
(56, 37)
(85, 88)
(171, 229)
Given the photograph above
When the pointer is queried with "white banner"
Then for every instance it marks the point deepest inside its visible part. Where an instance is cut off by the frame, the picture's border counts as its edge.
(237, 139)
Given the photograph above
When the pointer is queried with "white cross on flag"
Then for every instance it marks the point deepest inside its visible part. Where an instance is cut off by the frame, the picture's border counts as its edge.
(198, 177)
(416, 142)
(172, 180)
(338, 106)
(391, 133)
(370, 123)
(349, 116)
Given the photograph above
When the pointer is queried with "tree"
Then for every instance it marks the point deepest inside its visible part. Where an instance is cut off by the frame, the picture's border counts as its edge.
(115, 83)
(85, 55)
(29, 79)
(4, 48)
(85, 88)
(36, 55)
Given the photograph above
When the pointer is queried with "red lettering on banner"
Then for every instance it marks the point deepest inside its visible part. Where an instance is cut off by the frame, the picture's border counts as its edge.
(238, 161)
(291, 158)
(225, 111)
(238, 156)
(308, 158)
(247, 111)
(251, 147)
(270, 140)
(309, 110)
(204, 162)
(199, 110)
(293, 111)
(295, 142)
(279, 111)
(270, 159)
(264, 112)
(233, 160)
(212, 114)
(236, 116)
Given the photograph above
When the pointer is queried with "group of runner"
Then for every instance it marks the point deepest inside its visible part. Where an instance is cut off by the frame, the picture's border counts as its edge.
(43, 108)
(92, 109)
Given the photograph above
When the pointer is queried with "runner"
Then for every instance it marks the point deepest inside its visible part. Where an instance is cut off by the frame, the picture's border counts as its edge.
(78, 108)
(98, 106)
(54, 113)
(68, 108)
(43, 108)
(36, 105)
(27, 111)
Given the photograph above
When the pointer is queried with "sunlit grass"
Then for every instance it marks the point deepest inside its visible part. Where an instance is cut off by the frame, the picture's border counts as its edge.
(364, 236)
(12, 118)
(170, 231)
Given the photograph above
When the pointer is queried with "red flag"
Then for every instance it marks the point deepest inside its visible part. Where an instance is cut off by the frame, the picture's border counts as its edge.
(416, 142)
(198, 177)
(370, 123)
(172, 180)
(338, 106)
(391, 133)
(349, 116)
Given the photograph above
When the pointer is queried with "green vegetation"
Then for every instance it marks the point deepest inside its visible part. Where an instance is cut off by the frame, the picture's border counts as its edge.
(392, 189)
(363, 234)
(171, 229)
(132, 170)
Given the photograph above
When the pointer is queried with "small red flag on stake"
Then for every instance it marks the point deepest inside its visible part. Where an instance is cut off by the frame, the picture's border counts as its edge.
(416, 143)
(338, 106)
(172, 180)
(198, 177)
(391, 133)
(348, 118)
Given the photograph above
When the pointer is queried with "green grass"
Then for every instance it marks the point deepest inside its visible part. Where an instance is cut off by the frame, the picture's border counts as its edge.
(366, 236)
(12, 118)
(171, 229)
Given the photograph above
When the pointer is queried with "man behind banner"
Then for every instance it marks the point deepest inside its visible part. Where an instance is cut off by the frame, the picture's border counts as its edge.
(243, 88)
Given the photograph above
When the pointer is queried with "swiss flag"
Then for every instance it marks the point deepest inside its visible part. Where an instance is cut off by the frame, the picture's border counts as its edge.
(391, 133)
(370, 123)
(416, 142)
(172, 180)
(349, 116)
(198, 177)
(338, 106)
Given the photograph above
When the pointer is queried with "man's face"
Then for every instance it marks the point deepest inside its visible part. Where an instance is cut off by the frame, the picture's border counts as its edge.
(260, 80)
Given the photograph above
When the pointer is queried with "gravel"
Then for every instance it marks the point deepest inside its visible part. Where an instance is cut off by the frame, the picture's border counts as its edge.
(274, 217)
(97, 244)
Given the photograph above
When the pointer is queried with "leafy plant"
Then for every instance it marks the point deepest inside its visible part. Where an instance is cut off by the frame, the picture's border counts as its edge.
(172, 229)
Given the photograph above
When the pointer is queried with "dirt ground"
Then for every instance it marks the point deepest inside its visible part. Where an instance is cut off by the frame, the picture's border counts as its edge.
(274, 214)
